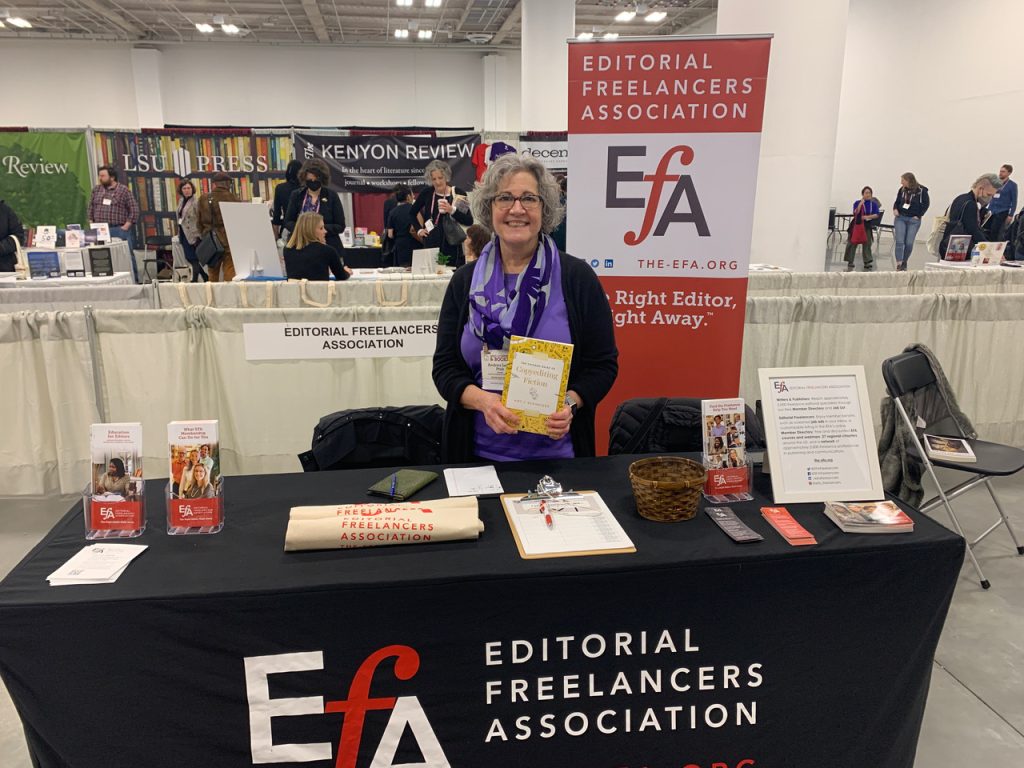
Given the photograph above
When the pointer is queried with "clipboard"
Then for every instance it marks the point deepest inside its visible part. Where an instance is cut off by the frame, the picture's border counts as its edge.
(530, 538)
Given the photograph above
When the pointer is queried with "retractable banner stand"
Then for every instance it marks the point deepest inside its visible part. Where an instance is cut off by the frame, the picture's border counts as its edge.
(45, 176)
(664, 137)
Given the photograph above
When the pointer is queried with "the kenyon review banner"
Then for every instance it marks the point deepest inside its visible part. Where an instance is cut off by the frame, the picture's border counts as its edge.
(377, 163)
(664, 138)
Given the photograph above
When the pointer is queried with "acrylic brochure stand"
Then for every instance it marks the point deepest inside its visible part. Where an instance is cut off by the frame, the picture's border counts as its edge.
(192, 516)
(727, 484)
(111, 516)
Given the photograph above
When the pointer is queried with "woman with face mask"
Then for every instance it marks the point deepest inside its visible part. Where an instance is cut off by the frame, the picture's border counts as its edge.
(314, 197)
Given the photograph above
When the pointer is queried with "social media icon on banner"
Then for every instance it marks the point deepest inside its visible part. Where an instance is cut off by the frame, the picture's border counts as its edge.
(595, 263)
(609, 263)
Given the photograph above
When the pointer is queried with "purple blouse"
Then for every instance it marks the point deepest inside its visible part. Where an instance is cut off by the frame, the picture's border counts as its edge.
(553, 326)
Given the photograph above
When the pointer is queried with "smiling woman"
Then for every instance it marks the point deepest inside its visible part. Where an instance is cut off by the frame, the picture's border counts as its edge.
(521, 285)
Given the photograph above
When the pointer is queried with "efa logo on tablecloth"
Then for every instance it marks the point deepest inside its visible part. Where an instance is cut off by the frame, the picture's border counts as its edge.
(406, 713)
(657, 217)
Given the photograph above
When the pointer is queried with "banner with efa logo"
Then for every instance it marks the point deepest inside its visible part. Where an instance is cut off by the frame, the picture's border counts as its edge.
(664, 138)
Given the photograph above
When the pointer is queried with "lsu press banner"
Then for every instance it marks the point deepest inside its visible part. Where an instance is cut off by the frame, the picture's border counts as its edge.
(664, 138)
(378, 163)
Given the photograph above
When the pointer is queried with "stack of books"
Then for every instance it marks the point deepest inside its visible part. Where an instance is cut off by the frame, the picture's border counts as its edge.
(869, 517)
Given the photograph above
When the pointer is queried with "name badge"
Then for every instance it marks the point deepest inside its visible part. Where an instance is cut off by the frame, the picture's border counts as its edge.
(106, 201)
(429, 226)
(906, 206)
(997, 195)
(493, 363)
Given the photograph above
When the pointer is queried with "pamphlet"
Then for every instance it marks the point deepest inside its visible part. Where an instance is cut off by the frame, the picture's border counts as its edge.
(869, 517)
(96, 564)
(571, 524)
(535, 380)
(102, 231)
(195, 475)
(473, 481)
(733, 527)
(943, 448)
(115, 456)
(783, 522)
(100, 262)
(73, 238)
(724, 453)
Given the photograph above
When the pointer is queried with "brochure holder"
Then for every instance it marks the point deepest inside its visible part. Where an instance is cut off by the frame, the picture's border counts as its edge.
(115, 518)
(725, 482)
(186, 517)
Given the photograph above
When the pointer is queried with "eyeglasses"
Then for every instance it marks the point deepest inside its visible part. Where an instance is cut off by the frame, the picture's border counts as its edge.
(505, 201)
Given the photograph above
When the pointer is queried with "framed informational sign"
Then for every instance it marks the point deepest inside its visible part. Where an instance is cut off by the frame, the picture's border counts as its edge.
(821, 441)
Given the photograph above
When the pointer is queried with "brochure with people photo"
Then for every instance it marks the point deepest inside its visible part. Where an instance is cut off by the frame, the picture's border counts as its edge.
(195, 459)
(724, 432)
(943, 448)
(116, 459)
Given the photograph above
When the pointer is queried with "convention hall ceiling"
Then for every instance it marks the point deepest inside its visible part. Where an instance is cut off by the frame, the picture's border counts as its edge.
(461, 23)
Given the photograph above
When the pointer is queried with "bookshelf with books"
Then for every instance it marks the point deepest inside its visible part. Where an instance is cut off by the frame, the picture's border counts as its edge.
(153, 163)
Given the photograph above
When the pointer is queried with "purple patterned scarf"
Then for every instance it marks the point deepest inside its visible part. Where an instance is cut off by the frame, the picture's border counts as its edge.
(493, 315)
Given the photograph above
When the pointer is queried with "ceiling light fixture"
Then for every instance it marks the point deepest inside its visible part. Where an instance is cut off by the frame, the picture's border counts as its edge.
(401, 34)
(2, 25)
(585, 36)
(655, 16)
(432, 3)
(626, 16)
(229, 29)
(19, 22)
(425, 34)
(611, 35)
(206, 29)
(403, 2)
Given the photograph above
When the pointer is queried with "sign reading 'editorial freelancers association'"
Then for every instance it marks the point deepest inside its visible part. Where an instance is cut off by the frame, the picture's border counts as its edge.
(664, 138)
(311, 341)
(821, 441)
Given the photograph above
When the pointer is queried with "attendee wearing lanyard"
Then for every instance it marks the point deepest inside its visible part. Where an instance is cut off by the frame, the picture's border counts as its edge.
(1003, 205)
(867, 210)
(314, 197)
(911, 204)
(436, 201)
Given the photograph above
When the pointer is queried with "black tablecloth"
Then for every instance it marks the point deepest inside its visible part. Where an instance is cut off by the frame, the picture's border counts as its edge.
(361, 258)
(693, 651)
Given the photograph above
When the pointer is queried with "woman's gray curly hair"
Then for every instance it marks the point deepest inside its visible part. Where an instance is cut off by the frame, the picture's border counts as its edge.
(438, 165)
(482, 196)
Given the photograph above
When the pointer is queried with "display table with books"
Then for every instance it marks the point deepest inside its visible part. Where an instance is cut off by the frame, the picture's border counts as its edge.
(694, 650)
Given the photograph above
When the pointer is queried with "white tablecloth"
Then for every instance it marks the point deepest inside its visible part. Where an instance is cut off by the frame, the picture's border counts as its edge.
(118, 278)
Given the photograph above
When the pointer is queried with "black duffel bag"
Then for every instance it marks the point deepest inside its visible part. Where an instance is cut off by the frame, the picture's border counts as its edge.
(376, 437)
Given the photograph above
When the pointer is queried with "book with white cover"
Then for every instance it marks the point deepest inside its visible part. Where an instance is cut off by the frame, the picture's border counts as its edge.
(943, 448)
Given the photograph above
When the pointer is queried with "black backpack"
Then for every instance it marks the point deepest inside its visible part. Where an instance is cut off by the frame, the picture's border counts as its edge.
(376, 437)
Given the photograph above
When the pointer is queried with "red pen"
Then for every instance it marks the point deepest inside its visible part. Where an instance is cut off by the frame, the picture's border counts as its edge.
(547, 515)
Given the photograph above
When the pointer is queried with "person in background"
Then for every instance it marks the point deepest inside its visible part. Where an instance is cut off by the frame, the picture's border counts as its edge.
(210, 218)
(188, 471)
(476, 238)
(560, 231)
(436, 201)
(1002, 206)
(177, 465)
(399, 229)
(188, 228)
(865, 210)
(114, 480)
(114, 204)
(307, 255)
(283, 193)
(911, 205)
(387, 244)
(314, 197)
(965, 212)
(521, 286)
(11, 235)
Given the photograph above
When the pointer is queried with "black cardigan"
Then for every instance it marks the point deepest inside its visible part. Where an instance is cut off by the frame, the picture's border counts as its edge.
(330, 209)
(964, 211)
(314, 262)
(282, 196)
(591, 374)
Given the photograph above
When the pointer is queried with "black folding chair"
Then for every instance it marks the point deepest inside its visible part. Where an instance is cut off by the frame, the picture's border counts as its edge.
(910, 372)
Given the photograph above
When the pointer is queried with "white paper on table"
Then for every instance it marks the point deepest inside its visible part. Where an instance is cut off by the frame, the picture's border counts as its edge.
(96, 564)
(580, 523)
(473, 481)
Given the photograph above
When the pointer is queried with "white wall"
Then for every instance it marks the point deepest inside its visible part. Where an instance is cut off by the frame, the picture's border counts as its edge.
(932, 88)
(62, 84)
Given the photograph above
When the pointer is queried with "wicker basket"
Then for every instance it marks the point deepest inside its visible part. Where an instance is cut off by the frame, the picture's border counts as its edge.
(667, 488)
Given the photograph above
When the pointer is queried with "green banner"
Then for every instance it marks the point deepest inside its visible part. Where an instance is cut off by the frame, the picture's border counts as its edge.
(45, 177)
